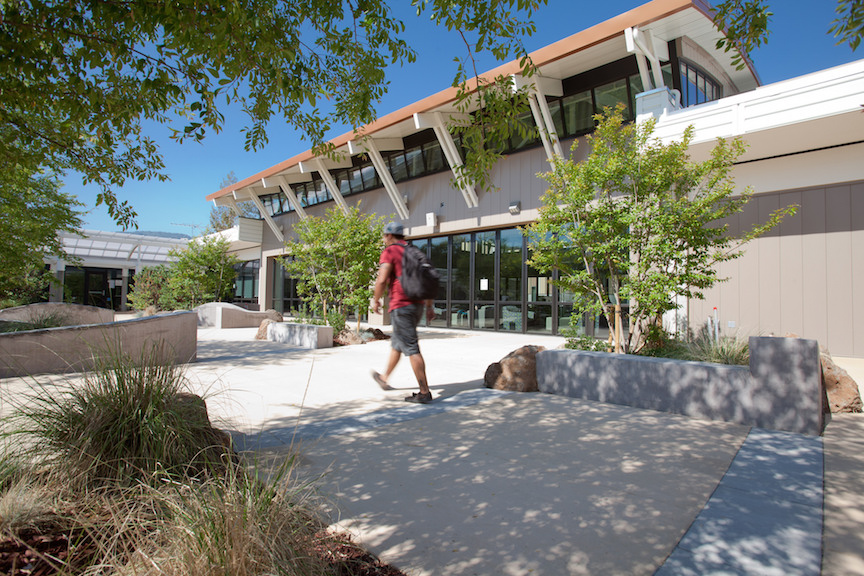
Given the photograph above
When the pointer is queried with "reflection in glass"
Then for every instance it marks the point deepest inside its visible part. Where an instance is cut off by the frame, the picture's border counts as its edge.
(539, 318)
(461, 271)
(438, 257)
(484, 266)
(511, 317)
(459, 315)
(510, 282)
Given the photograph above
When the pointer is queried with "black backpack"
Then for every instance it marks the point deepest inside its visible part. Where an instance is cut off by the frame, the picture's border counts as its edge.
(419, 278)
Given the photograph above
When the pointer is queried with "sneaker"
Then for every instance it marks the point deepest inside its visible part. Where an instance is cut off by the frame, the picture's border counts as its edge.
(419, 398)
(380, 381)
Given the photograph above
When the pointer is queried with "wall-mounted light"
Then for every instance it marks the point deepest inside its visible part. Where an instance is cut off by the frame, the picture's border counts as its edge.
(515, 207)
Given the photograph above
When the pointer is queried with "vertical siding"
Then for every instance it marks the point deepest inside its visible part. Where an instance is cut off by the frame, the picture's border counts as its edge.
(791, 268)
(856, 315)
(838, 278)
(806, 277)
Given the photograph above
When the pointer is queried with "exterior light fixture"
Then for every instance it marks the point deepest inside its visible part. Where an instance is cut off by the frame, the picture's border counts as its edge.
(515, 207)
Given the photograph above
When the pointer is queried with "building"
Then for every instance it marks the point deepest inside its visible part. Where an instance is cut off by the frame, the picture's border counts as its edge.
(102, 266)
(803, 134)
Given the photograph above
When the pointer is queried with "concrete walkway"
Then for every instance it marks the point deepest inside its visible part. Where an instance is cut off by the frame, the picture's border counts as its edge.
(484, 482)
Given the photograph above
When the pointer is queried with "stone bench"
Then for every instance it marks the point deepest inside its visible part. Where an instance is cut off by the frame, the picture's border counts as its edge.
(79, 348)
(227, 315)
(302, 335)
(781, 390)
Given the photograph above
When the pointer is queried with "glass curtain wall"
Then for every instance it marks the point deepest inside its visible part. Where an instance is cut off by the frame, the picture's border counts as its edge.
(486, 284)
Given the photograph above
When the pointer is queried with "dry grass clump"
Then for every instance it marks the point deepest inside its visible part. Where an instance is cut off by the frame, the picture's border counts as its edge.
(123, 475)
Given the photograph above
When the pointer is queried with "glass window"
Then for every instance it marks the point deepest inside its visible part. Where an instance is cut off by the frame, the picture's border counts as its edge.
(697, 86)
(459, 315)
(370, 177)
(461, 270)
(434, 156)
(484, 266)
(611, 95)
(510, 283)
(414, 162)
(398, 169)
(511, 317)
(528, 134)
(343, 182)
(438, 257)
(355, 177)
(557, 118)
(539, 318)
(578, 110)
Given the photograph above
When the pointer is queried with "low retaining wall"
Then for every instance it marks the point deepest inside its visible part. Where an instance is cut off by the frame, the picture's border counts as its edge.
(302, 335)
(227, 315)
(71, 314)
(781, 390)
(76, 348)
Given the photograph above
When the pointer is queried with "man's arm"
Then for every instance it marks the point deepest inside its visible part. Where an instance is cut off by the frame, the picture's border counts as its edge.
(381, 283)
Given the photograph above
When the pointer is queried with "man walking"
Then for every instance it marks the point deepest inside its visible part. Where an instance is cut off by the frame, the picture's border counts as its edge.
(405, 314)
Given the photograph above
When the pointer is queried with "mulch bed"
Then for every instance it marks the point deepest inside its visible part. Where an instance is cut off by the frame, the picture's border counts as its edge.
(43, 554)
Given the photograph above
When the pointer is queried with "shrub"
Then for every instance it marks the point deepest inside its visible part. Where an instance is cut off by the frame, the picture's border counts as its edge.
(126, 421)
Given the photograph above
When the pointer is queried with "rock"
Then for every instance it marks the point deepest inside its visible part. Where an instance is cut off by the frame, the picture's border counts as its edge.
(516, 372)
(194, 410)
(841, 389)
(274, 315)
(262, 329)
(348, 337)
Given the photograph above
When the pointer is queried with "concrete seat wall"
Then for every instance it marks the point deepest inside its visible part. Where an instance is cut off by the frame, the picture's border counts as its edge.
(70, 314)
(227, 315)
(302, 335)
(781, 390)
(174, 337)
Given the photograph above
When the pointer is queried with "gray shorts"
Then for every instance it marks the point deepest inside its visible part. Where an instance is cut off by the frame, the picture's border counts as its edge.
(404, 322)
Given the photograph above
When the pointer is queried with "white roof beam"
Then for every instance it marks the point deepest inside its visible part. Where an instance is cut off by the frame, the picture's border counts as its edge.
(369, 146)
(284, 185)
(436, 121)
(538, 87)
(645, 46)
(319, 166)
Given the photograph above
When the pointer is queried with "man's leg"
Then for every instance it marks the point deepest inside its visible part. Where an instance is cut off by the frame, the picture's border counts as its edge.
(419, 367)
(383, 379)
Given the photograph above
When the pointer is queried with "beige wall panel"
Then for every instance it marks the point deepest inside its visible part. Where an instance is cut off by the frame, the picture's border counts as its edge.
(814, 292)
(791, 268)
(838, 258)
(748, 273)
(769, 267)
(856, 316)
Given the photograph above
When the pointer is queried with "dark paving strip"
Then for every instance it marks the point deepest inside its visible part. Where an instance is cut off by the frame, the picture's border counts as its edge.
(765, 517)
(274, 438)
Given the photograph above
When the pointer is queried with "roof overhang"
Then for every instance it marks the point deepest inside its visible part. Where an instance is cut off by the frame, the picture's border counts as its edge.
(665, 19)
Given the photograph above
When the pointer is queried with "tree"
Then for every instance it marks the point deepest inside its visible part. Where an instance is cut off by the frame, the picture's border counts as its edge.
(81, 79)
(334, 260)
(223, 217)
(150, 289)
(204, 272)
(638, 221)
(745, 23)
(33, 210)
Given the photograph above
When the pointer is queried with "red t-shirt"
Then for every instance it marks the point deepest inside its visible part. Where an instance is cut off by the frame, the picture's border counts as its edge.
(393, 255)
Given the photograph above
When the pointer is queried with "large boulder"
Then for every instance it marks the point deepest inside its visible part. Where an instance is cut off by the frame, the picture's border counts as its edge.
(516, 372)
(841, 389)
(274, 315)
(262, 329)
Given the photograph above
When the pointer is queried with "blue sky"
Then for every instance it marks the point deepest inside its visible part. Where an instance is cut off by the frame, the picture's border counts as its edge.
(799, 43)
